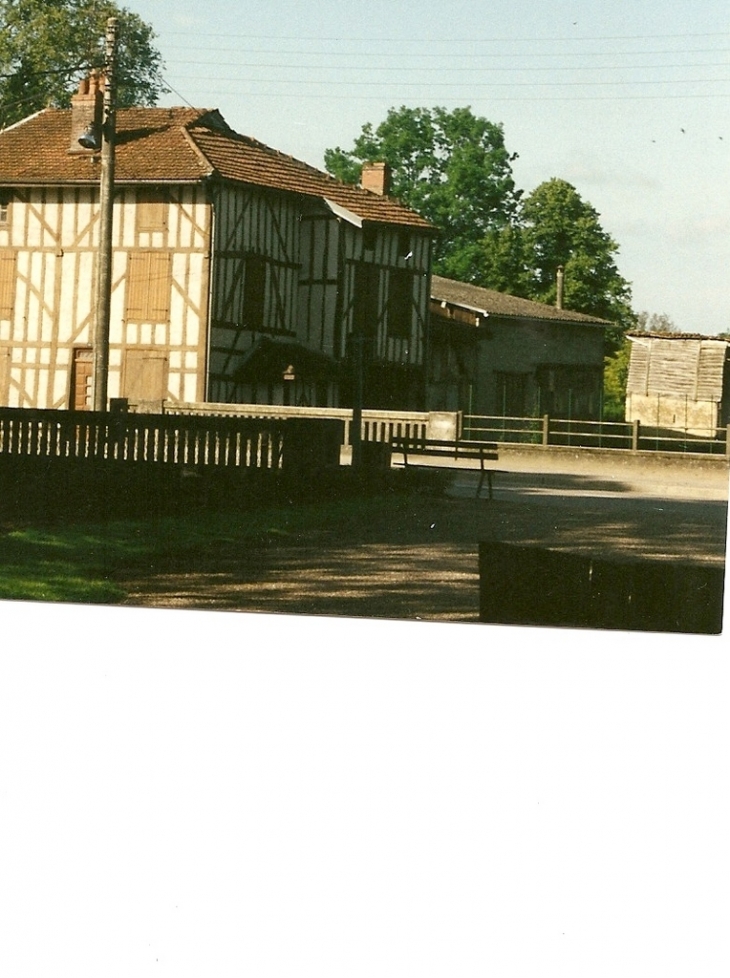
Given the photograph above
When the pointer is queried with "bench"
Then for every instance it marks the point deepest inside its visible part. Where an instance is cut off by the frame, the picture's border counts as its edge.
(482, 451)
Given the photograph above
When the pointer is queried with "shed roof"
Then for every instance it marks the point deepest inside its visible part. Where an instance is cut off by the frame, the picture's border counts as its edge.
(178, 145)
(488, 302)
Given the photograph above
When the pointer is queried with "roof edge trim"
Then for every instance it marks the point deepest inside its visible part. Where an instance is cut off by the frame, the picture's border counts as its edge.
(342, 212)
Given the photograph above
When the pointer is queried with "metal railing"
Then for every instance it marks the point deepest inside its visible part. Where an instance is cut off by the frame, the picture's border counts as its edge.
(630, 436)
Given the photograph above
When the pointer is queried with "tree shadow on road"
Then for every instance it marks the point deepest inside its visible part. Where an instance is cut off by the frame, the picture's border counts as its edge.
(418, 559)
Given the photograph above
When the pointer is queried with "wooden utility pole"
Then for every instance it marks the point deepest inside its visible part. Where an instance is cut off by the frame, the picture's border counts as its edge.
(106, 211)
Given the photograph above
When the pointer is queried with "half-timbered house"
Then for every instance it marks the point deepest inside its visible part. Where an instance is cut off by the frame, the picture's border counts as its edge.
(499, 355)
(239, 273)
(679, 381)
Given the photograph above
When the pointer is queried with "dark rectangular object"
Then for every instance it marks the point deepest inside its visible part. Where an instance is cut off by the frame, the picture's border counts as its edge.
(521, 585)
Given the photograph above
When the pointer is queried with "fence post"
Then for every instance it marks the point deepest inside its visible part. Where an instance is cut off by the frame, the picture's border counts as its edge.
(727, 441)
(635, 435)
(546, 429)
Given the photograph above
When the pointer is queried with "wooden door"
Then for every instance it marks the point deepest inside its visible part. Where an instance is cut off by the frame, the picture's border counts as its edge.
(82, 376)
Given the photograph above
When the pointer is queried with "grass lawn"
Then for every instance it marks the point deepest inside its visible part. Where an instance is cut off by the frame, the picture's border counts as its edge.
(86, 562)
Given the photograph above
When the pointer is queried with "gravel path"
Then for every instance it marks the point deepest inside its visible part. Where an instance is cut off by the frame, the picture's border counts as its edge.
(422, 563)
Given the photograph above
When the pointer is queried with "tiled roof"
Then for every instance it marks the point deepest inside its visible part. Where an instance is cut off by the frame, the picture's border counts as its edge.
(489, 302)
(177, 145)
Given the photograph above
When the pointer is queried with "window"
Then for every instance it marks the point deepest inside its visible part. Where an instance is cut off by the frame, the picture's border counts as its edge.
(400, 304)
(149, 283)
(254, 292)
(366, 300)
(5, 197)
(404, 243)
(151, 209)
(369, 237)
(7, 285)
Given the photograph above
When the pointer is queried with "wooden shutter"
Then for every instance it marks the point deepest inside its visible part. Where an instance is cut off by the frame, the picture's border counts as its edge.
(151, 210)
(145, 375)
(149, 280)
(7, 285)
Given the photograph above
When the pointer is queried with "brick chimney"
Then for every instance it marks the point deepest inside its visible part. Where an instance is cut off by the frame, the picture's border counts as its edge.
(376, 178)
(86, 112)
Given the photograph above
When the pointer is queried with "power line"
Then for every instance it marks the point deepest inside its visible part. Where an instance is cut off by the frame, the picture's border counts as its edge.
(43, 74)
(450, 69)
(453, 55)
(448, 40)
(491, 84)
(438, 99)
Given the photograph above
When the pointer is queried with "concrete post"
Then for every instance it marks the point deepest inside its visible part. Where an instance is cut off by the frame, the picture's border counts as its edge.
(635, 435)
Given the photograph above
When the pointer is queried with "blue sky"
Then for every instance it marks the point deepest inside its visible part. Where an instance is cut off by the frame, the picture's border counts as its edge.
(626, 100)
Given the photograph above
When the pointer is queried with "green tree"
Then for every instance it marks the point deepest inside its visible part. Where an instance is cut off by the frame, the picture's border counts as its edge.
(557, 228)
(46, 46)
(656, 322)
(615, 375)
(451, 167)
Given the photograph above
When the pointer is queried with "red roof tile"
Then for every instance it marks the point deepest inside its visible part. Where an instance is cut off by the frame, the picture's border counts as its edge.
(177, 145)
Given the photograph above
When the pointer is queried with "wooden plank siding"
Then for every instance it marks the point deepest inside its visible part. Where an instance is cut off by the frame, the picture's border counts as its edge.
(52, 238)
(678, 382)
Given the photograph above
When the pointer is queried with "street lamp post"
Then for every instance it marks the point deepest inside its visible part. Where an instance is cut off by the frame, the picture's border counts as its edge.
(106, 210)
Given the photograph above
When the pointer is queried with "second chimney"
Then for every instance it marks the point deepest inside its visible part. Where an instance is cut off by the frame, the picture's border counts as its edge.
(376, 178)
(86, 111)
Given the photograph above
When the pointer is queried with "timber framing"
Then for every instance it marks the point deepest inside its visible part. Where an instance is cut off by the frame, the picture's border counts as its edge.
(219, 243)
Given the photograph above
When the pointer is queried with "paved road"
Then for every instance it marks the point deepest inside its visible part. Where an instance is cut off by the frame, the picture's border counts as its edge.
(422, 564)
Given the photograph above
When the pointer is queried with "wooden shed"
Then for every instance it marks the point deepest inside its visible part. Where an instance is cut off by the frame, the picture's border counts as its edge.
(679, 381)
(222, 247)
(502, 356)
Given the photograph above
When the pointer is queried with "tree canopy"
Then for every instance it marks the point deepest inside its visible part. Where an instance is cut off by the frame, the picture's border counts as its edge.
(559, 228)
(451, 167)
(656, 322)
(454, 169)
(46, 46)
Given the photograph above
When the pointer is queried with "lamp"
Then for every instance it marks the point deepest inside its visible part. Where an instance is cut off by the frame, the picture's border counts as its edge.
(90, 138)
